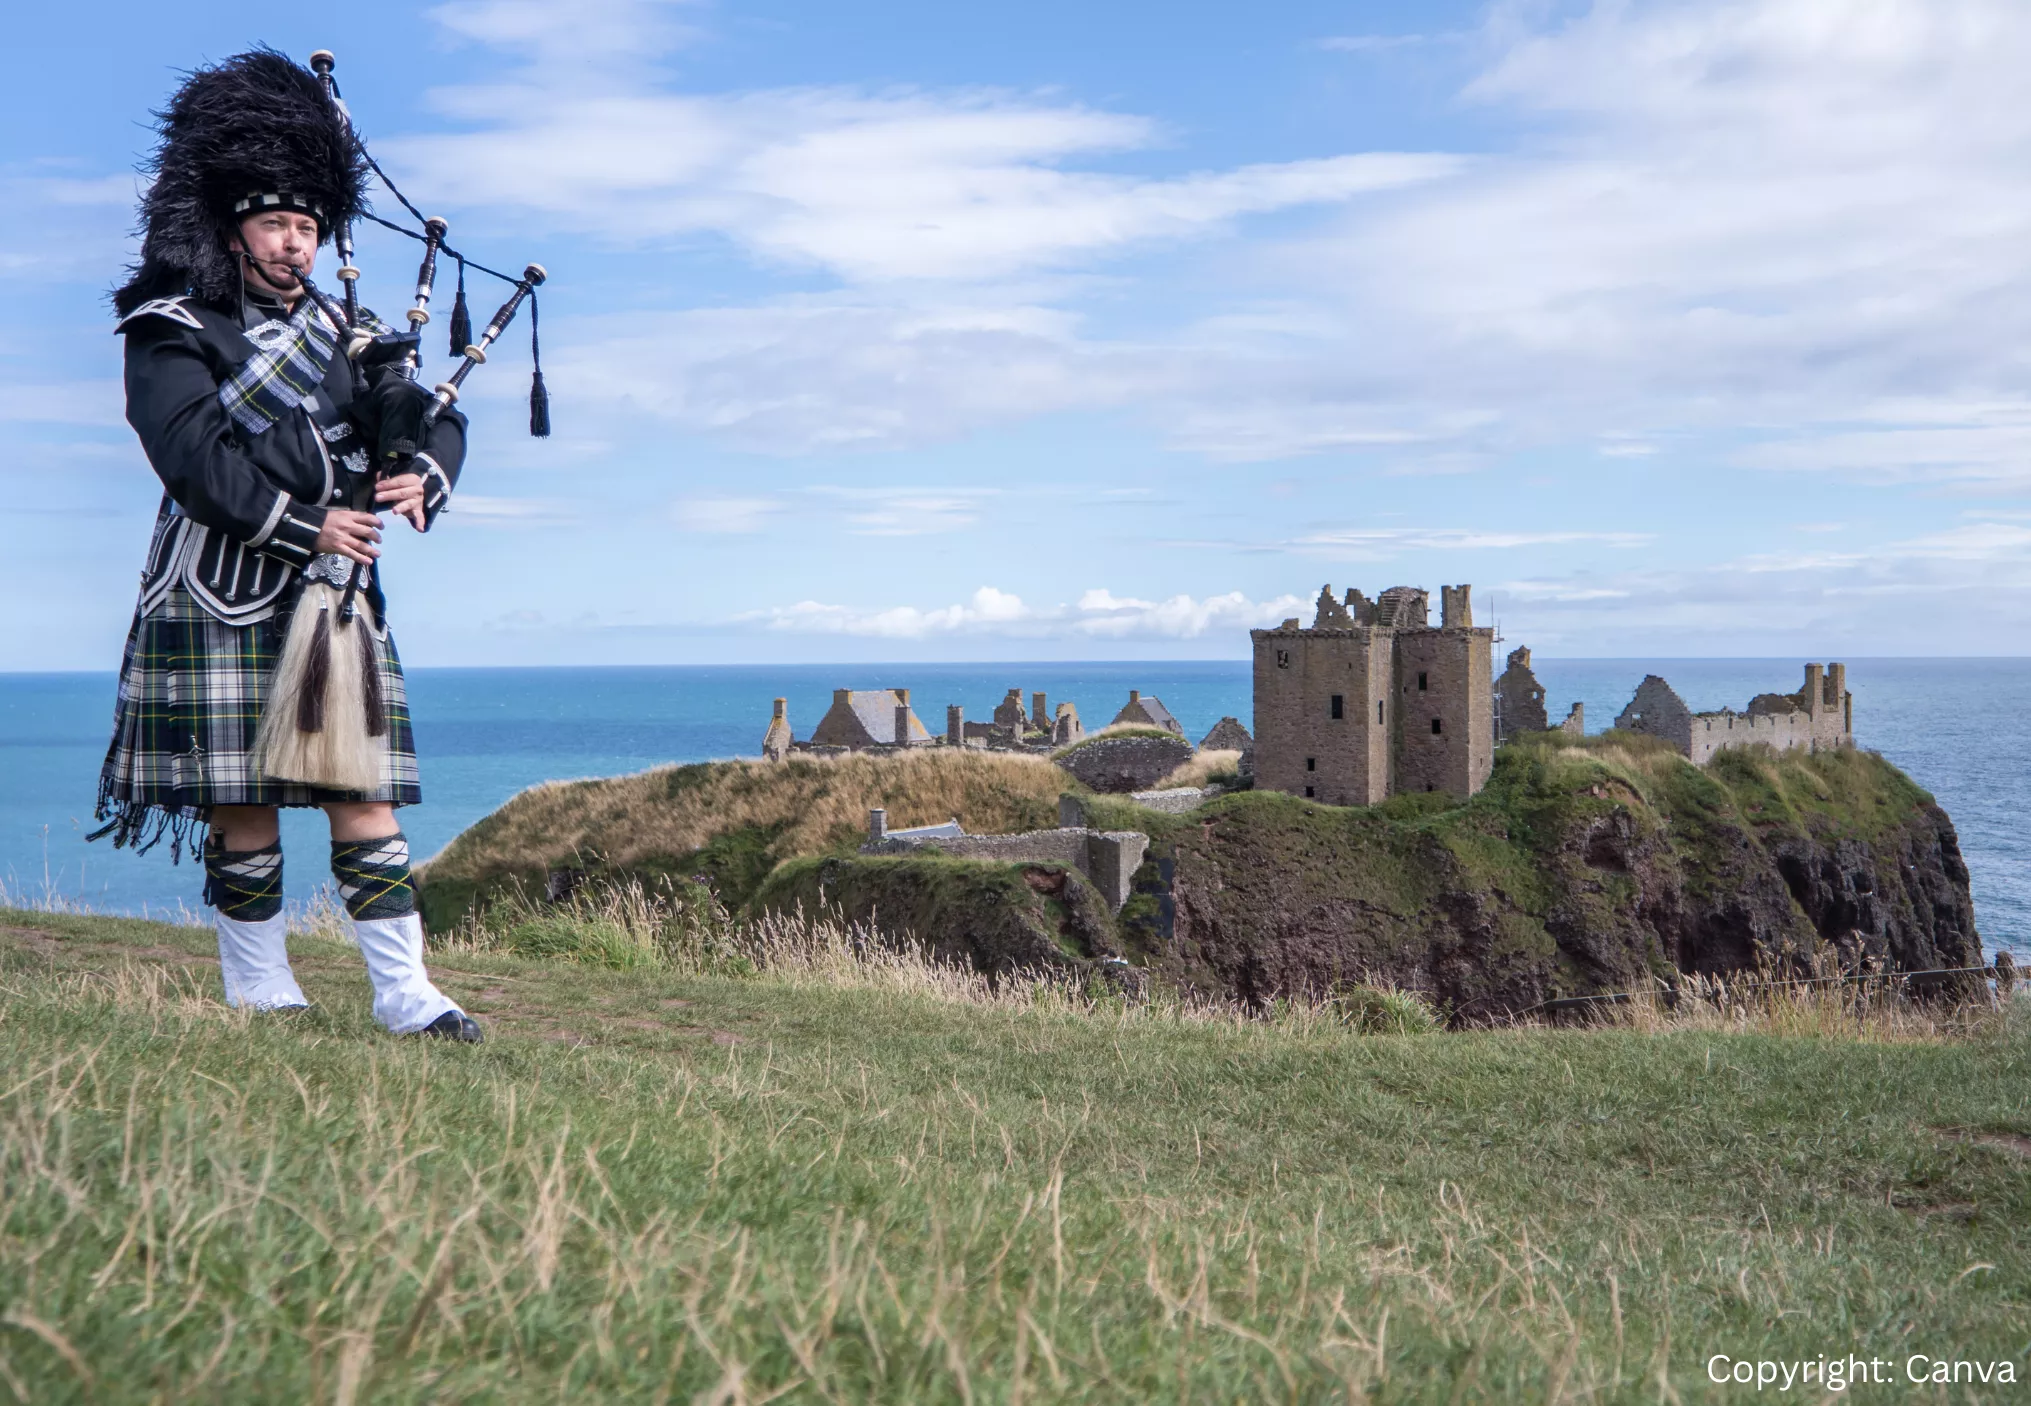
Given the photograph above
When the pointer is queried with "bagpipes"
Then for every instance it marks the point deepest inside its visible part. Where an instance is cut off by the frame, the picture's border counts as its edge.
(325, 723)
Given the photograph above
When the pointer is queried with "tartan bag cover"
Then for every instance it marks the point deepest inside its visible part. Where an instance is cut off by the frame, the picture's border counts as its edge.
(189, 703)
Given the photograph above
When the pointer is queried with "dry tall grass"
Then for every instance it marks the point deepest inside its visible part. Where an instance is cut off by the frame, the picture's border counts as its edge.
(1203, 770)
(814, 802)
(626, 927)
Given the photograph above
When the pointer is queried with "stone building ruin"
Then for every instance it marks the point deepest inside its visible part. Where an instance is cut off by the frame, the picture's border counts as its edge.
(1819, 717)
(859, 720)
(1107, 859)
(1041, 729)
(1373, 699)
(1227, 735)
(1146, 712)
(1519, 703)
(877, 720)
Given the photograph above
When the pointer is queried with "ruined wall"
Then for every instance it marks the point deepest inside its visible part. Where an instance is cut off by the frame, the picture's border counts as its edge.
(1818, 717)
(1519, 699)
(1123, 764)
(1107, 859)
(1658, 711)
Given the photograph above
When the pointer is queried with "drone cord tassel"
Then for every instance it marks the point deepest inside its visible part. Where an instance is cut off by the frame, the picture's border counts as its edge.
(461, 320)
(539, 395)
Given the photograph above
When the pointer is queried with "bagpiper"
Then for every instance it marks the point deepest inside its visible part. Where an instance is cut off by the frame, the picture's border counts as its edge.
(264, 429)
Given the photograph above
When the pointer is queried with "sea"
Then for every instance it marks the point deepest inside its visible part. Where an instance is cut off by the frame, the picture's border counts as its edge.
(1959, 726)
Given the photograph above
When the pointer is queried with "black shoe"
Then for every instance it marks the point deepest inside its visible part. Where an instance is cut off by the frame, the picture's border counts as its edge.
(454, 1025)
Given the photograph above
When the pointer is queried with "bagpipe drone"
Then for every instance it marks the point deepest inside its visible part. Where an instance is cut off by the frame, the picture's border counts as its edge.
(325, 722)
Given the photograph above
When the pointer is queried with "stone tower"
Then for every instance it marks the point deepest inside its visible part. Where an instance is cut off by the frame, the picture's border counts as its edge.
(1371, 701)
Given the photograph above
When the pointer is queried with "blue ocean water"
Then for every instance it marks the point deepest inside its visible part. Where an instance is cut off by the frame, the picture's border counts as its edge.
(1958, 726)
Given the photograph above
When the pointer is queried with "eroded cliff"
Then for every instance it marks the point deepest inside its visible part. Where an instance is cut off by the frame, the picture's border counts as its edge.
(1584, 866)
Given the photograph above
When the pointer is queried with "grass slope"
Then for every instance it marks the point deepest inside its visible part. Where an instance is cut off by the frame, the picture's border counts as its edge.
(658, 1186)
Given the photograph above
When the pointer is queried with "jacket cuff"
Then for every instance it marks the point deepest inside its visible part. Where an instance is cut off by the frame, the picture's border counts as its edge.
(294, 536)
(436, 488)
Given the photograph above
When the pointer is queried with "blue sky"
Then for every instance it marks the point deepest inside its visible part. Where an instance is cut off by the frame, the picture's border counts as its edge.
(914, 331)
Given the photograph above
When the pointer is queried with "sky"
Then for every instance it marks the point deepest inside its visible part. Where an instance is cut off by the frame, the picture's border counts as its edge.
(914, 331)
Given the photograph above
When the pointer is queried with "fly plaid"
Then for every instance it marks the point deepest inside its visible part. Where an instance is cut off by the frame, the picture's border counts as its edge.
(191, 692)
(289, 362)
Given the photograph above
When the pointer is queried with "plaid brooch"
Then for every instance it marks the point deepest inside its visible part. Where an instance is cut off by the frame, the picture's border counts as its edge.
(288, 364)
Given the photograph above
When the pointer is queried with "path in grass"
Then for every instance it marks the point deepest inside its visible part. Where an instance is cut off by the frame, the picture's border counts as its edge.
(650, 1186)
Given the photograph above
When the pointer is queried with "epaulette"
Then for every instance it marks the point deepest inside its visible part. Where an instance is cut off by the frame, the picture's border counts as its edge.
(171, 308)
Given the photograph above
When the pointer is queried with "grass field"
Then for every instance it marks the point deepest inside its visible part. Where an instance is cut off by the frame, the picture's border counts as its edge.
(856, 1180)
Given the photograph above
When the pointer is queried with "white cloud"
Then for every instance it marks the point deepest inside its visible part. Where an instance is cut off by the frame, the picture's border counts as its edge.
(729, 516)
(946, 185)
(95, 403)
(1964, 590)
(1381, 43)
(1782, 219)
(819, 374)
(991, 611)
(1379, 543)
(482, 510)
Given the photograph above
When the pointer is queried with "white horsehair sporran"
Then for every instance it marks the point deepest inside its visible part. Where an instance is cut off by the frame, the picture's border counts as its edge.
(326, 719)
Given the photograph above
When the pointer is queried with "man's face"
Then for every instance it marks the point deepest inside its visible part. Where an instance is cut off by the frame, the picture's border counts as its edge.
(277, 241)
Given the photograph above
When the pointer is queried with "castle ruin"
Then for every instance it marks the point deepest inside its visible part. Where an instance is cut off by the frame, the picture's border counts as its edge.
(1373, 699)
(1519, 703)
(1817, 718)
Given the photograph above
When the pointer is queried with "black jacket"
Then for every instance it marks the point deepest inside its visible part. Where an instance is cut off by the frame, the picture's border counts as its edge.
(241, 513)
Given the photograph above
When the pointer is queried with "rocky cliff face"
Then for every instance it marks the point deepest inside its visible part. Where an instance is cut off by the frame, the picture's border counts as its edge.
(1581, 869)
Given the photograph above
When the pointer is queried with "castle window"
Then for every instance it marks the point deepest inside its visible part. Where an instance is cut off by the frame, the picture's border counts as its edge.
(1378, 710)
(1421, 683)
(1308, 791)
(1311, 763)
(1339, 707)
(1436, 727)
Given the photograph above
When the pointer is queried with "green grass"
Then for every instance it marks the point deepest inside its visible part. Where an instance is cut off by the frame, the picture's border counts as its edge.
(653, 1185)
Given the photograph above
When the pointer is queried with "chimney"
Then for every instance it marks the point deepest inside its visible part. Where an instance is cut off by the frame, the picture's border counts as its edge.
(903, 696)
(1836, 684)
(1039, 715)
(955, 725)
(877, 825)
(1135, 695)
(902, 724)
(839, 697)
(782, 707)
(1815, 688)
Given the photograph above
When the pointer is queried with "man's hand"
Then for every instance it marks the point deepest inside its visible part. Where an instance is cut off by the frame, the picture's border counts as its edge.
(403, 494)
(353, 535)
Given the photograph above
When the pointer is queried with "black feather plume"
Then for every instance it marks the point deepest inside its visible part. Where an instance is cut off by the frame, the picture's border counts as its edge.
(257, 122)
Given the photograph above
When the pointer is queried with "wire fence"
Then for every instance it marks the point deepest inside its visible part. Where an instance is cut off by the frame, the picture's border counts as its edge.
(1720, 989)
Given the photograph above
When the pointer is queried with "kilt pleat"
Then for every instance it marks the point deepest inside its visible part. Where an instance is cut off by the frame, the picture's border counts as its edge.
(189, 703)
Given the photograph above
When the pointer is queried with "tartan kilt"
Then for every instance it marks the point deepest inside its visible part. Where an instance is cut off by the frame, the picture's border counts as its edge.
(189, 704)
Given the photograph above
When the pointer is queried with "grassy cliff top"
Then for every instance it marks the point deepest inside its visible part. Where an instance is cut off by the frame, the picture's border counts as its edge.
(876, 1185)
(734, 821)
